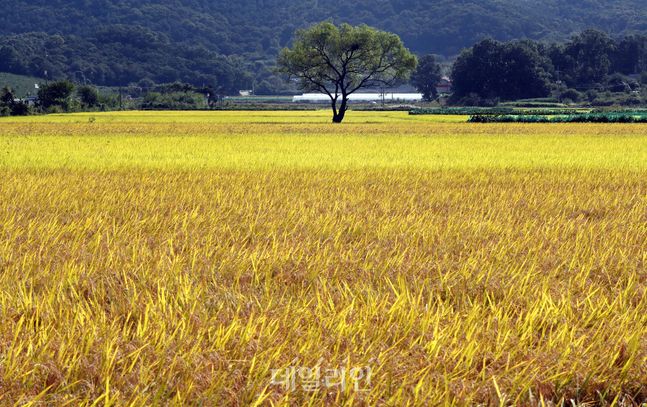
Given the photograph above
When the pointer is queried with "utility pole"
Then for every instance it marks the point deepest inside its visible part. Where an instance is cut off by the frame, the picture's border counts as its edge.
(85, 79)
(46, 76)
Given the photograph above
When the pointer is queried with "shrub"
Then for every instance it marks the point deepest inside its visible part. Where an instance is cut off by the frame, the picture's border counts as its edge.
(173, 100)
(20, 109)
(591, 95)
(56, 109)
(634, 84)
(618, 83)
(474, 99)
(88, 96)
(631, 101)
(602, 102)
(570, 95)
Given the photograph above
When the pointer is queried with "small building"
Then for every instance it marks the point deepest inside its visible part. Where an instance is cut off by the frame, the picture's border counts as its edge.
(245, 92)
(444, 87)
(29, 101)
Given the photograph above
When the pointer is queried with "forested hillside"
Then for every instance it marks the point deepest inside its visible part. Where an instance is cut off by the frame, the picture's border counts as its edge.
(233, 43)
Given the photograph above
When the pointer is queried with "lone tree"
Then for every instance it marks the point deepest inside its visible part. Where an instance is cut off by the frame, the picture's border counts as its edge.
(339, 61)
(7, 96)
(426, 77)
(88, 96)
(55, 94)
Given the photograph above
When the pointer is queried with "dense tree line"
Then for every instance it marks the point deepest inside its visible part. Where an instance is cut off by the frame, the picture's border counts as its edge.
(590, 61)
(64, 96)
(263, 26)
(577, 70)
(233, 44)
(126, 55)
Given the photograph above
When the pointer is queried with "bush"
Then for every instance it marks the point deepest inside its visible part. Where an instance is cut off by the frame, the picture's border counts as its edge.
(474, 100)
(602, 102)
(174, 101)
(631, 101)
(570, 96)
(56, 109)
(108, 101)
(20, 109)
(618, 83)
(591, 95)
(88, 96)
(634, 84)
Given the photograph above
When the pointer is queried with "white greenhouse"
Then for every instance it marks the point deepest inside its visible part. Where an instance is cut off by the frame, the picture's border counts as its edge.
(361, 97)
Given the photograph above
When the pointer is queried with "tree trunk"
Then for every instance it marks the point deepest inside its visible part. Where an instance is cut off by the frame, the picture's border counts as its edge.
(338, 115)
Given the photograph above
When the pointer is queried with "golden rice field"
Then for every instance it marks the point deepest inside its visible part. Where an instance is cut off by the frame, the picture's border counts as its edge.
(265, 258)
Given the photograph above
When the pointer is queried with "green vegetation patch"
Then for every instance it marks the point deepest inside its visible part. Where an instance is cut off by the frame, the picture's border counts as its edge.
(617, 117)
(493, 111)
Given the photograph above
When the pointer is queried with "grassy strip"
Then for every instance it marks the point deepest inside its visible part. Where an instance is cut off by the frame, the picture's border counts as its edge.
(572, 118)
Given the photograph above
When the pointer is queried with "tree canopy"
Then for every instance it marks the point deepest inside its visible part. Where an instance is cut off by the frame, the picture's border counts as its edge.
(340, 60)
(506, 71)
(55, 94)
(426, 77)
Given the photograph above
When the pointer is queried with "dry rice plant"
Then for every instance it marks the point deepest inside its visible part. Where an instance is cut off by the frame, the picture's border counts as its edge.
(151, 258)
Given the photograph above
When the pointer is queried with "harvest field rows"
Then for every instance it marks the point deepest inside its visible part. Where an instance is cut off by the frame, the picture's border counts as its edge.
(154, 258)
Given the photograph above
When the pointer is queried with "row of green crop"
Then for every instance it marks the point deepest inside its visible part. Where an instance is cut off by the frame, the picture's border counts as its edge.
(632, 112)
(573, 118)
(470, 111)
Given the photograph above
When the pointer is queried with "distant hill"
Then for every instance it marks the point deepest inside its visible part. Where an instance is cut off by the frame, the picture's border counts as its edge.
(22, 86)
(233, 43)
